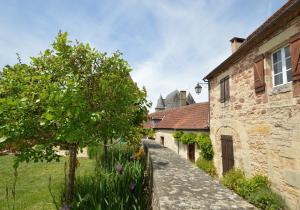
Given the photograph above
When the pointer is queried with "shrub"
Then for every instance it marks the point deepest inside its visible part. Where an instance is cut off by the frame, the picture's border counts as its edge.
(256, 189)
(94, 151)
(188, 138)
(151, 133)
(177, 135)
(207, 166)
(148, 132)
(264, 198)
(205, 145)
(234, 180)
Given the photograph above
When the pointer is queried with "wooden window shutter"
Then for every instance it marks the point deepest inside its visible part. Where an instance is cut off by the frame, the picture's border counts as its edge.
(222, 91)
(226, 88)
(259, 74)
(295, 56)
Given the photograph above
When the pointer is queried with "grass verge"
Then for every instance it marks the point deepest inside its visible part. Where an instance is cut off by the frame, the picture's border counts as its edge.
(32, 192)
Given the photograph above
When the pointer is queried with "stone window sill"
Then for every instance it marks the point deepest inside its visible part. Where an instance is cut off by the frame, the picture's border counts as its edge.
(224, 104)
(281, 89)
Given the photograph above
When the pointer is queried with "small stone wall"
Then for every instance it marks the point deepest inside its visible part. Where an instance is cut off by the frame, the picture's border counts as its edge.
(178, 184)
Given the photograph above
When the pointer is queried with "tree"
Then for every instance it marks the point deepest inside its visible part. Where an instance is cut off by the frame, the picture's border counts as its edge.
(70, 96)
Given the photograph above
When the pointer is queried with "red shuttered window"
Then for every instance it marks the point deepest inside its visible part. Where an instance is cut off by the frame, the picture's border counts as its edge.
(295, 56)
(259, 74)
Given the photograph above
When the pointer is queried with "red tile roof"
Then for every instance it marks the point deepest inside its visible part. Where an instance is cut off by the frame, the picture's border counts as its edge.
(276, 22)
(194, 116)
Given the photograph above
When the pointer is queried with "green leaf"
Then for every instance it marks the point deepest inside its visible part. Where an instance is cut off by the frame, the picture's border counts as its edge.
(3, 139)
(49, 116)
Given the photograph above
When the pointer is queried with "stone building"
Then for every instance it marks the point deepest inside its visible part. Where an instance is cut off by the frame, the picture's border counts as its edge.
(190, 118)
(173, 100)
(254, 100)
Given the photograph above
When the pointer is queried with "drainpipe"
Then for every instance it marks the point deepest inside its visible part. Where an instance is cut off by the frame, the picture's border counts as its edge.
(207, 81)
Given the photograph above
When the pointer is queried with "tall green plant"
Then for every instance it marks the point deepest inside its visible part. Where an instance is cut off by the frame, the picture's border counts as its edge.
(205, 146)
(71, 95)
(117, 185)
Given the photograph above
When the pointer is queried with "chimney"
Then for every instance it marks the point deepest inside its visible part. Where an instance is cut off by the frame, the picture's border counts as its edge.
(182, 98)
(236, 42)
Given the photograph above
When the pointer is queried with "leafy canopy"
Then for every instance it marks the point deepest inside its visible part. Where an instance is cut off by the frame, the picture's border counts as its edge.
(70, 94)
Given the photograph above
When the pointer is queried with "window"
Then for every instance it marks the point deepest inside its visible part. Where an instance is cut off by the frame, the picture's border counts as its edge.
(282, 68)
(224, 88)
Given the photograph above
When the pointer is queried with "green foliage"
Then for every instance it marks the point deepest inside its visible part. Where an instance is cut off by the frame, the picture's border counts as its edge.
(234, 179)
(264, 198)
(94, 151)
(109, 188)
(204, 142)
(148, 132)
(151, 133)
(256, 189)
(32, 191)
(188, 138)
(177, 135)
(70, 94)
(207, 166)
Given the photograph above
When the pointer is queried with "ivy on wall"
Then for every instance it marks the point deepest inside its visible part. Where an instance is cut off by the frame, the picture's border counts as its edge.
(202, 140)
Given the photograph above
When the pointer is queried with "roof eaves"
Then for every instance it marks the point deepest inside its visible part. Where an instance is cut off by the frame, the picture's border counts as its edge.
(291, 7)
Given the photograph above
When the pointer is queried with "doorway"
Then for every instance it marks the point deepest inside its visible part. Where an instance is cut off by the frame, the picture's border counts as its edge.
(227, 153)
(191, 152)
(162, 141)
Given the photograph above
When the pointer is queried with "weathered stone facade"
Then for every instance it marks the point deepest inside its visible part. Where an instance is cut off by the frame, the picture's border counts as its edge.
(265, 127)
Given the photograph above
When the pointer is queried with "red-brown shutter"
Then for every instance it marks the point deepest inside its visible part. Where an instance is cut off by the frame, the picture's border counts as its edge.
(259, 74)
(295, 56)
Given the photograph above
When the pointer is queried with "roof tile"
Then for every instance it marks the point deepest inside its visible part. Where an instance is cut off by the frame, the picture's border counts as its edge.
(194, 116)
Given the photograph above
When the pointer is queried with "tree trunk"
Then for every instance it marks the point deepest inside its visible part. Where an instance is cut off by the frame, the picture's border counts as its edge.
(71, 175)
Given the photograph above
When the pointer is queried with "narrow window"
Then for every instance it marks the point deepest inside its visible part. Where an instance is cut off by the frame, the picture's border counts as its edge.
(224, 88)
(282, 68)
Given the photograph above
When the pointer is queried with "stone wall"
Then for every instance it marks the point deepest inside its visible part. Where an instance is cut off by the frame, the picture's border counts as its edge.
(265, 127)
(174, 145)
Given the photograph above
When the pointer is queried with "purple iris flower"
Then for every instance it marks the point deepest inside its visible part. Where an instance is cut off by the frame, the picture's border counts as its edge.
(66, 207)
(132, 186)
(132, 158)
(119, 168)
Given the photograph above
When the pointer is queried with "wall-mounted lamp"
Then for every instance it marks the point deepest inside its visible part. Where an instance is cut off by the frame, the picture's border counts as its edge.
(198, 87)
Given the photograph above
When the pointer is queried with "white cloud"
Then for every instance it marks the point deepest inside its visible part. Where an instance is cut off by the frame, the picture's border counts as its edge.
(191, 46)
(170, 44)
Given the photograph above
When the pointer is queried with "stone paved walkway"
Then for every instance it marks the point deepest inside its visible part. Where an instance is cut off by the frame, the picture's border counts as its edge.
(178, 184)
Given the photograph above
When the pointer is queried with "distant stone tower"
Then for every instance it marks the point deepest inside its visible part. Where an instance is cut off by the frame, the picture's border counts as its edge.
(160, 104)
(173, 100)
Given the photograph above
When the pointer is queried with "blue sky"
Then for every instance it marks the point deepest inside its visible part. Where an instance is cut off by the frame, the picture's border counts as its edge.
(171, 44)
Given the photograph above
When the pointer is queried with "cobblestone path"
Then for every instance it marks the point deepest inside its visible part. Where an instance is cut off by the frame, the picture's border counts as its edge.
(178, 184)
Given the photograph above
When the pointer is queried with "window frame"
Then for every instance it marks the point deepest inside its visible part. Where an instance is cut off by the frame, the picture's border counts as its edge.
(226, 95)
(283, 66)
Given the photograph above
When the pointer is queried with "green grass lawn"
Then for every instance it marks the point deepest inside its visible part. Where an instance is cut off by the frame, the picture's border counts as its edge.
(32, 192)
